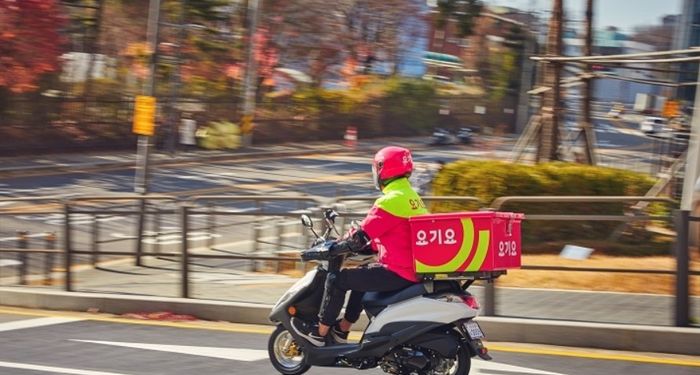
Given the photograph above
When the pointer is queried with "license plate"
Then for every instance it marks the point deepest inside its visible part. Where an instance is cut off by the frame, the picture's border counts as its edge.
(473, 330)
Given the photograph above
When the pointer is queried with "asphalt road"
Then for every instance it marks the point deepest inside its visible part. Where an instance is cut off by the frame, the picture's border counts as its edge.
(41, 342)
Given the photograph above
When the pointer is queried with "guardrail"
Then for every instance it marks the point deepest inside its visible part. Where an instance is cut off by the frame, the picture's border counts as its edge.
(210, 207)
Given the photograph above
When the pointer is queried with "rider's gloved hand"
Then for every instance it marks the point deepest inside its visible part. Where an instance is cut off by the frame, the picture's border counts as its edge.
(366, 250)
(357, 242)
(314, 255)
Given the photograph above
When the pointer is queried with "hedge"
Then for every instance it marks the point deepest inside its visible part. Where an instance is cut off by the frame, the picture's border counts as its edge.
(488, 180)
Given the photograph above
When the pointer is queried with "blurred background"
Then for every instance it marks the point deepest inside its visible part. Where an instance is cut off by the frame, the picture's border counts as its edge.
(577, 113)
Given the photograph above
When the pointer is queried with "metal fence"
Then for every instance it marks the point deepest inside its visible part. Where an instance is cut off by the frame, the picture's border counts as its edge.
(268, 219)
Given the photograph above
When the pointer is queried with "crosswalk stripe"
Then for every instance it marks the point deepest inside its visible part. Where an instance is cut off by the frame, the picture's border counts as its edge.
(245, 355)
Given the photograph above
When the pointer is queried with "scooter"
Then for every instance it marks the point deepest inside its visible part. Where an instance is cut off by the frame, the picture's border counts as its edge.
(465, 135)
(427, 328)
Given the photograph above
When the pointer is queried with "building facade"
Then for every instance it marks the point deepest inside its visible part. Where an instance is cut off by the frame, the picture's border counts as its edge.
(688, 35)
(611, 42)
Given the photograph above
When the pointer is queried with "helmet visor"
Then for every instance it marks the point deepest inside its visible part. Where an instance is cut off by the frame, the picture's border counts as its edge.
(375, 177)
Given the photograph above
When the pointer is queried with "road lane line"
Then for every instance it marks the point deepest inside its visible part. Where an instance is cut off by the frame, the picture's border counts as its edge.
(9, 263)
(489, 367)
(599, 356)
(33, 323)
(234, 354)
(55, 370)
(266, 330)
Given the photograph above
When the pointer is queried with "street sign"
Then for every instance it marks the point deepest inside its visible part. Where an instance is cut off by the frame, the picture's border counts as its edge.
(144, 115)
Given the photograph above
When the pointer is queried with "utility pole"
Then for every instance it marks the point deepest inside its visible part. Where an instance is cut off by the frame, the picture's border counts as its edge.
(144, 142)
(177, 81)
(692, 172)
(250, 84)
(149, 89)
(526, 76)
(548, 145)
(587, 125)
(92, 50)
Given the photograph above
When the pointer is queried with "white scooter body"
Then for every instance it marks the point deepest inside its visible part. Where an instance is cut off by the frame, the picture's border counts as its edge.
(422, 309)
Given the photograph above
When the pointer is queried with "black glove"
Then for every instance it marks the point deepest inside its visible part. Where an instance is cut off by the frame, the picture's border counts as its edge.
(357, 243)
(367, 250)
(315, 255)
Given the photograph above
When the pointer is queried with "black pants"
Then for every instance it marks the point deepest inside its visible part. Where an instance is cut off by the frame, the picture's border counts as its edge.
(372, 278)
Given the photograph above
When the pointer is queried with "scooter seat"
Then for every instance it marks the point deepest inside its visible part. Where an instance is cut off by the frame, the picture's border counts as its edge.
(373, 300)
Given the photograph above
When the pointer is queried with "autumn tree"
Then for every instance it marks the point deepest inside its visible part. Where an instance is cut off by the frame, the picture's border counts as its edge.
(30, 44)
(321, 36)
(204, 40)
(466, 12)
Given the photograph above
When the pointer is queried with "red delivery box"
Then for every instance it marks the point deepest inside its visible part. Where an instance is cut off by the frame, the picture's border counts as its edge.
(465, 243)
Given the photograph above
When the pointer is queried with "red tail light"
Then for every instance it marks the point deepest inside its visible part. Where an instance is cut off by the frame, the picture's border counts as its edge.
(471, 302)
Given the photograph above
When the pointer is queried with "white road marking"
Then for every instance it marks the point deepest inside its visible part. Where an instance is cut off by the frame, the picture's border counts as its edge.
(9, 262)
(169, 239)
(323, 165)
(55, 370)
(32, 323)
(489, 367)
(33, 235)
(234, 354)
(237, 210)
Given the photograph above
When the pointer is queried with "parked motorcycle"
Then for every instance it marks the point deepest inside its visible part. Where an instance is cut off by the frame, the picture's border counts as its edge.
(427, 328)
(445, 137)
(442, 137)
(465, 135)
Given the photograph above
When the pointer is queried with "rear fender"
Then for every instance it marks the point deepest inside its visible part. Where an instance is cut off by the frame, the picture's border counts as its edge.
(443, 340)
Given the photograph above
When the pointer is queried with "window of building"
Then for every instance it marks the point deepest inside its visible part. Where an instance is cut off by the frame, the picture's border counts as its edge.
(439, 34)
(694, 36)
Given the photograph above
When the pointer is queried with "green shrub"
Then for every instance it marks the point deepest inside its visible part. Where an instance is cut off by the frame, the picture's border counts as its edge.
(488, 180)
(219, 135)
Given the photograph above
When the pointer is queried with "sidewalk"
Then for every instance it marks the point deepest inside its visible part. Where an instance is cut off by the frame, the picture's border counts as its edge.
(161, 278)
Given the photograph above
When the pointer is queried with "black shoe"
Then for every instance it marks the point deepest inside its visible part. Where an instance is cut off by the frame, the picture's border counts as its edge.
(307, 331)
(339, 336)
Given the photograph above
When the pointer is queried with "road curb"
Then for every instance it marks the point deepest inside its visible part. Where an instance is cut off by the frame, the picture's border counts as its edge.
(562, 333)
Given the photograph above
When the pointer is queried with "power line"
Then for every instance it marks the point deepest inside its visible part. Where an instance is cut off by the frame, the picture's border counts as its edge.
(620, 56)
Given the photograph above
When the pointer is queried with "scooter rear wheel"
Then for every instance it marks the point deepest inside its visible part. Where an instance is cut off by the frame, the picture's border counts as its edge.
(461, 363)
(286, 356)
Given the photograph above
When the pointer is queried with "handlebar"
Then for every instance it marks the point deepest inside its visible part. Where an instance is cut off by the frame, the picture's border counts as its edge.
(324, 251)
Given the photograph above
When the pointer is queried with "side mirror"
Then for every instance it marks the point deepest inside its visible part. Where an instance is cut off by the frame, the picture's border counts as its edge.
(306, 221)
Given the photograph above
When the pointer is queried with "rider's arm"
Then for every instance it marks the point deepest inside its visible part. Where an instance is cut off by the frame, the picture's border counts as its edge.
(355, 242)
(378, 221)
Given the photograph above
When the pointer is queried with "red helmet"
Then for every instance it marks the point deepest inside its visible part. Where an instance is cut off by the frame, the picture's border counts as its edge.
(391, 162)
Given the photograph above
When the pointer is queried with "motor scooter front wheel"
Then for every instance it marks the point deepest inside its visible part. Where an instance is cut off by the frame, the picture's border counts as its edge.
(286, 356)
